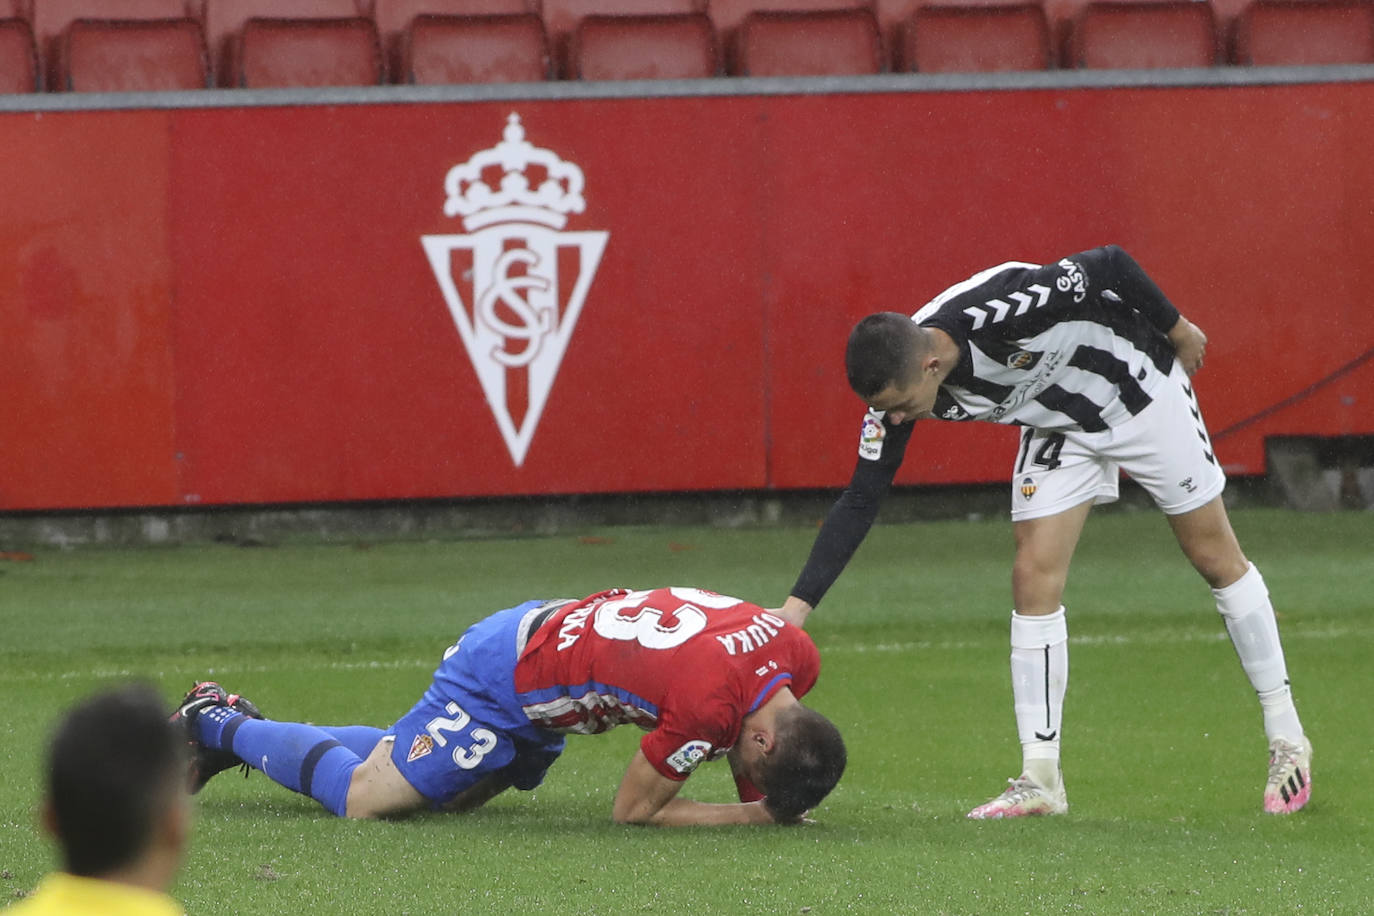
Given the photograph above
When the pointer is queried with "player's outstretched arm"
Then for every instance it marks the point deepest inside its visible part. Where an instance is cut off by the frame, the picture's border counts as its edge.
(646, 796)
(794, 610)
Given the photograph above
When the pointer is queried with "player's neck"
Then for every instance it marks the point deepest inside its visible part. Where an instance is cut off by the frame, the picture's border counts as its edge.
(944, 347)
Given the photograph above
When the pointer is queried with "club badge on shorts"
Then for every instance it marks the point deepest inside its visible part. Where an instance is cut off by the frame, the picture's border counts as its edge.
(420, 747)
(1027, 488)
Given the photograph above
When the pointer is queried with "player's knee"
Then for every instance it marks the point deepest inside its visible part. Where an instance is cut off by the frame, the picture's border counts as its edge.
(1219, 568)
(1036, 582)
(1217, 559)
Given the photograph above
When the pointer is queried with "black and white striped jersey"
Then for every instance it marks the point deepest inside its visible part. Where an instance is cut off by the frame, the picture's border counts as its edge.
(1075, 345)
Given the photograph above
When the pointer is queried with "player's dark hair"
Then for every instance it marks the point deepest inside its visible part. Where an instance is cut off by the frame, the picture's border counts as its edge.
(115, 767)
(807, 761)
(883, 349)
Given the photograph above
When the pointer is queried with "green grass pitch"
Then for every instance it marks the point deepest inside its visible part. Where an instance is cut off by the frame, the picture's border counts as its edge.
(1164, 751)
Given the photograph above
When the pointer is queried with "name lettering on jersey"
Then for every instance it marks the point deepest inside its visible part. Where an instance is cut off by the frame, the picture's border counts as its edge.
(871, 436)
(1073, 280)
(688, 757)
(572, 627)
(758, 633)
(1000, 309)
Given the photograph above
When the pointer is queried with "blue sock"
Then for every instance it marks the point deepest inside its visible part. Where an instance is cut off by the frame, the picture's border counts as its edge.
(211, 722)
(360, 739)
(303, 758)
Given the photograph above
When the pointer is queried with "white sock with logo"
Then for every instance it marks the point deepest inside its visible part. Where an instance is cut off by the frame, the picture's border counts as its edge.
(1249, 616)
(1039, 677)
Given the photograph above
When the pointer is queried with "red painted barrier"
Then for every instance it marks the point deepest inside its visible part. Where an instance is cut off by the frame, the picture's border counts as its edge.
(354, 302)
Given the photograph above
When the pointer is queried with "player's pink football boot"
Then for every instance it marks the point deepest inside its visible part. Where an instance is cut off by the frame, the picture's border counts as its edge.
(1023, 798)
(1290, 776)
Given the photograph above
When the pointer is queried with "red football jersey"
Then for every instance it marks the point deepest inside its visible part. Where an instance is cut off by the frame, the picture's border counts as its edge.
(686, 664)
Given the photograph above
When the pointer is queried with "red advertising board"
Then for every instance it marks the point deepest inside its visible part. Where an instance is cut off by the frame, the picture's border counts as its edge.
(445, 299)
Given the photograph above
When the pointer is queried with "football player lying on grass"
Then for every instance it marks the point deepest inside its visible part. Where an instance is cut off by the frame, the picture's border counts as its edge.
(704, 674)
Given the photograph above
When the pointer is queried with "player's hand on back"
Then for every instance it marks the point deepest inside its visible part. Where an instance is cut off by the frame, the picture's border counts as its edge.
(1190, 344)
(793, 610)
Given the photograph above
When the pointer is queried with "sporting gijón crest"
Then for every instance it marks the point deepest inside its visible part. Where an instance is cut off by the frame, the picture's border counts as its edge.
(516, 280)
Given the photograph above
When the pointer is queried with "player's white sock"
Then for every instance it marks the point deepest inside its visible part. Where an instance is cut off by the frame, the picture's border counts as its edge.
(1039, 677)
(1249, 616)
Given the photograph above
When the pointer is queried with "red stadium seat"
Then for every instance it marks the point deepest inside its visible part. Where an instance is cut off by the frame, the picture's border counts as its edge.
(644, 47)
(474, 49)
(729, 15)
(18, 57)
(393, 18)
(1144, 34)
(102, 55)
(955, 38)
(561, 17)
(52, 17)
(829, 43)
(225, 19)
(1295, 32)
(306, 52)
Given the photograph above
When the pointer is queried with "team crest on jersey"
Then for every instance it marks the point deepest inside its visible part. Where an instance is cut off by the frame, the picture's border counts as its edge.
(871, 436)
(516, 281)
(688, 757)
(1027, 488)
(1023, 359)
(420, 747)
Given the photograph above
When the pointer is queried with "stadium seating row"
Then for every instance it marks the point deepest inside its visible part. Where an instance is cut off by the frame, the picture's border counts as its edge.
(121, 45)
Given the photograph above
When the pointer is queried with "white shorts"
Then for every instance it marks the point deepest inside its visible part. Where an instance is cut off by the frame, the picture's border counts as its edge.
(1165, 448)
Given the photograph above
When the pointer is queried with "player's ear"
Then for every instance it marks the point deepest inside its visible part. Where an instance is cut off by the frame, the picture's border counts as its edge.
(765, 739)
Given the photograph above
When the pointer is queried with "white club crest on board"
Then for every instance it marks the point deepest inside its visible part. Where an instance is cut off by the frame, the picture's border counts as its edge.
(501, 280)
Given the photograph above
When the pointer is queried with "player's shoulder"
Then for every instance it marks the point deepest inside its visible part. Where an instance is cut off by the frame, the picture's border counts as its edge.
(985, 284)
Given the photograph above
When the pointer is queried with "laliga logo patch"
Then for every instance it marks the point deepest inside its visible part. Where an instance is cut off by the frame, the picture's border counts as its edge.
(686, 758)
(420, 747)
(871, 437)
(501, 280)
(1028, 487)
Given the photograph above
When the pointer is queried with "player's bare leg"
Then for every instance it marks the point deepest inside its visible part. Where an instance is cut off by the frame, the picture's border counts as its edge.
(1242, 599)
(1044, 550)
(378, 789)
(1039, 661)
(1210, 544)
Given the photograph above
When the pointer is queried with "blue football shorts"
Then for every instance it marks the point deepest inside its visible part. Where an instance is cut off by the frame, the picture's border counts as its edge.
(469, 724)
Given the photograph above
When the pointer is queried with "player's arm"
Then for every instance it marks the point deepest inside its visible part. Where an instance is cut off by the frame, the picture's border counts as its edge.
(646, 796)
(847, 524)
(1112, 269)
